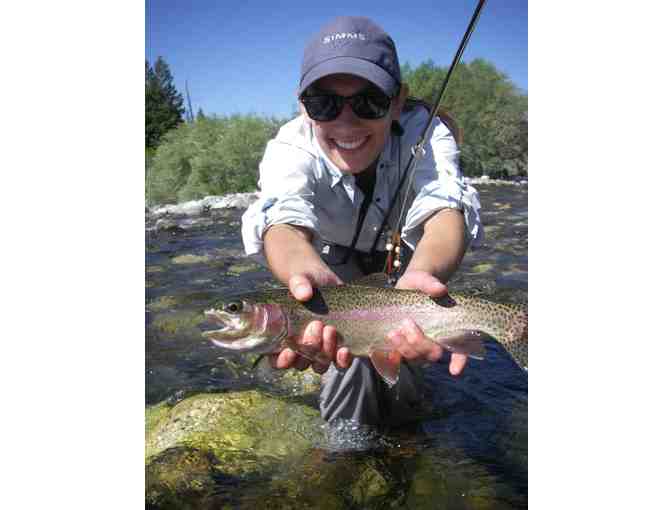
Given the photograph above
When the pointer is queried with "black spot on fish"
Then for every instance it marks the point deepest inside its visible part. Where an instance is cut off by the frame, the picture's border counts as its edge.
(445, 301)
(317, 304)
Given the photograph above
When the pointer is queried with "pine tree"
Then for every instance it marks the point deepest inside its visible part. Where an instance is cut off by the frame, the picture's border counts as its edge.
(163, 103)
(200, 115)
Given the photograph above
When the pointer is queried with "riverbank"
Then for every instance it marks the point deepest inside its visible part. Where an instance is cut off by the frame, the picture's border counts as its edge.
(214, 203)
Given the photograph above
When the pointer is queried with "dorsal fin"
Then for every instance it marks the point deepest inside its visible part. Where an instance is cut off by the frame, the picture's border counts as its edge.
(373, 280)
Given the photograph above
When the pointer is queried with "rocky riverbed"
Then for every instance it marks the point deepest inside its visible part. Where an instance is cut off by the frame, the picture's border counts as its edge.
(220, 435)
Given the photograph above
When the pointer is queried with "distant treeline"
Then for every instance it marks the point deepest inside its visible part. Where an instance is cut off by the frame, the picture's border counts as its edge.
(217, 155)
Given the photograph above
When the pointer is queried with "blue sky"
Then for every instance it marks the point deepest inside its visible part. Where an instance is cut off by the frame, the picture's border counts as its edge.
(245, 57)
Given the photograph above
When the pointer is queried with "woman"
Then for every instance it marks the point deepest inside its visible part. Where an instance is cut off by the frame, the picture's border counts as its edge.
(327, 181)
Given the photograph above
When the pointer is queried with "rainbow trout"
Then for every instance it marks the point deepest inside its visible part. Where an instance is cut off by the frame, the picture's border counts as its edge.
(267, 321)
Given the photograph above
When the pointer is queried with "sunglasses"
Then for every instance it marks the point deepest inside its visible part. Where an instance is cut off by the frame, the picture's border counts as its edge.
(367, 105)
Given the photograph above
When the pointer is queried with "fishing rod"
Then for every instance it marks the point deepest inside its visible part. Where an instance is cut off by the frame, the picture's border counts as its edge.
(393, 246)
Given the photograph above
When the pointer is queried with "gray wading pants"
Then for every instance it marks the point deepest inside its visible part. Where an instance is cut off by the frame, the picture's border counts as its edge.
(360, 394)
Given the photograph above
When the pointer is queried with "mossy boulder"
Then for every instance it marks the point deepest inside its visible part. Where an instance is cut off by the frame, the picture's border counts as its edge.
(244, 430)
(214, 436)
(170, 485)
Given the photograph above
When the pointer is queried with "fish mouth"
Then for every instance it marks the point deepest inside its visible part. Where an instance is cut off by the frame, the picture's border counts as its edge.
(213, 324)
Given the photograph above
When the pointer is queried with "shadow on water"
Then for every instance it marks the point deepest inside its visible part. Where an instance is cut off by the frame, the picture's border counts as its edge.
(469, 450)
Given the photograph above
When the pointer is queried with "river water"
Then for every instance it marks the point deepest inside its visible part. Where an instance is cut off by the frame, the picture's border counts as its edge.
(475, 438)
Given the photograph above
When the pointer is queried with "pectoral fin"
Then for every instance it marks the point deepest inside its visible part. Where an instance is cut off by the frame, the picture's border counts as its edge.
(386, 362)
(469, 342)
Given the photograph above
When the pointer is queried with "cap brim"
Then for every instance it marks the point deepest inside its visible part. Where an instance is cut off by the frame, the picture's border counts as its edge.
(351, 65)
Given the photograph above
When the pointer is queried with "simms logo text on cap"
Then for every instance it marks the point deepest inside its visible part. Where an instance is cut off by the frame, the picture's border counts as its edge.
(343, 35)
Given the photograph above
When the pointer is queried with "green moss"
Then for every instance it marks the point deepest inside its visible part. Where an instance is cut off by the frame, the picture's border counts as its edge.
(190, 259)
(175, 322)
(247, 431)
(502, 206)
(154, 415)
(492, 231)
(370, 485)
(238, 269)
(482, 268)
(465, 485)
(180, 477)
(163, 303)
(300, 383)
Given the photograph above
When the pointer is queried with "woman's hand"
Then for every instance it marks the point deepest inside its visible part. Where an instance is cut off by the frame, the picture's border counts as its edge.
(409, 339)
(317, 338)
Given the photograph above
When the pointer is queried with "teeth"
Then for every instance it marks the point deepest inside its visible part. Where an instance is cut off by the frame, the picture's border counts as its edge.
(350, 145)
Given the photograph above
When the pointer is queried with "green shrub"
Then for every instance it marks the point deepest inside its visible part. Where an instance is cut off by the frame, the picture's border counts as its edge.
(487, 106)
(212, 156)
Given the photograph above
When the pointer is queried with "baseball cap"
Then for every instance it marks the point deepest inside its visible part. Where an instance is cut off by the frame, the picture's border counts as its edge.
(352, 45)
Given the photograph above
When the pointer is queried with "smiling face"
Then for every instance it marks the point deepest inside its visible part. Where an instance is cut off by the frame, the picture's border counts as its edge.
(350, 142)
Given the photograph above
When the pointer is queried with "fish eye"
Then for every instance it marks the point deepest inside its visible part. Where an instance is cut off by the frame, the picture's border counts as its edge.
(234, 306)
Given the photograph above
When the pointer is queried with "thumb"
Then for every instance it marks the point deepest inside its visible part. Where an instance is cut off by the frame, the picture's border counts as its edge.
(434, 287)
(300, 287)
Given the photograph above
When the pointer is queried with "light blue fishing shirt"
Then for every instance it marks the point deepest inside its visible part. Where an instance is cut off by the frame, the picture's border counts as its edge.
(301, 186)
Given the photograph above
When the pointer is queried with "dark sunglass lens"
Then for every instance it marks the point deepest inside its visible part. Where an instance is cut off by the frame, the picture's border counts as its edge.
(371, 105)
(322, 108)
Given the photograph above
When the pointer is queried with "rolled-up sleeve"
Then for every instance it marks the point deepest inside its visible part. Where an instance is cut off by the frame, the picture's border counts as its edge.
(287, 184)
(438, 184)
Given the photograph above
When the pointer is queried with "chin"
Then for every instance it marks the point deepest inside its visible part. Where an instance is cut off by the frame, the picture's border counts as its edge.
(351, 167)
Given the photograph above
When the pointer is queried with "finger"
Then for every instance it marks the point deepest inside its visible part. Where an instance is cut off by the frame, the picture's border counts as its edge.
(284, 360)
(343, 358)
(417, 340)
(457, 363)
(434, 288)
(399, 342)
(312, 344)
(422, 281)
(311, 341)
(300, 287)
(430, 285)
(329, 341)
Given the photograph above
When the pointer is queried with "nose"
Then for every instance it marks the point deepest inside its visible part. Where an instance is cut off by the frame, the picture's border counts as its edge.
(347, 115)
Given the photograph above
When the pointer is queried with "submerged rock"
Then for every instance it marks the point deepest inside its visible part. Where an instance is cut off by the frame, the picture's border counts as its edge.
(240, 268)
(217, 436)
(246, 431)
(178, 475)
(181, 323)
(190, 258)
